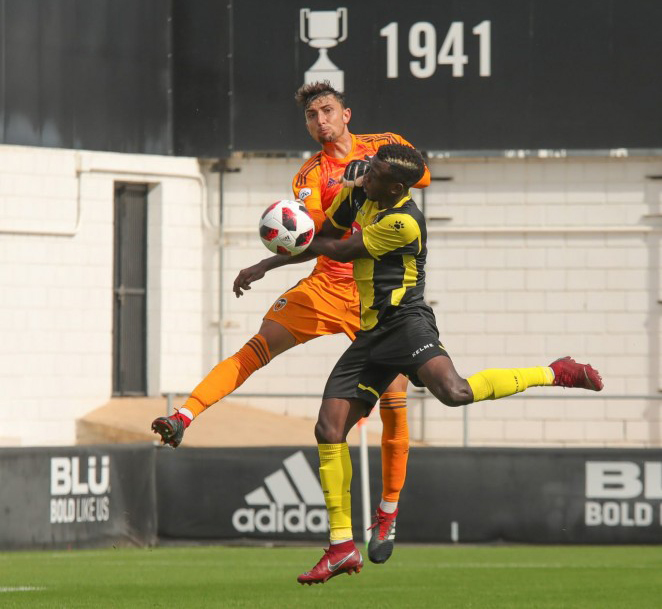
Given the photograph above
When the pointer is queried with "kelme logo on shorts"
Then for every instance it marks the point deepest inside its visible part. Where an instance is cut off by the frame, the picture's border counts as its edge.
(421, 349)
(280, 303)
(292, 502)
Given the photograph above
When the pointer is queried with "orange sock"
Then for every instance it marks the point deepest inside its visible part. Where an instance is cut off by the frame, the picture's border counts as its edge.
(395, 443)
(229, 374)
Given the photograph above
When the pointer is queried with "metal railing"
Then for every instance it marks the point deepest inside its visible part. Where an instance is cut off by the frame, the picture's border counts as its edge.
(422, 395)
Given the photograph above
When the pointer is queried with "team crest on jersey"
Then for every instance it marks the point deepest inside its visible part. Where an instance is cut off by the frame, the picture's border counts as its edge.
(304, 192)
(280, 304)
(398, 224)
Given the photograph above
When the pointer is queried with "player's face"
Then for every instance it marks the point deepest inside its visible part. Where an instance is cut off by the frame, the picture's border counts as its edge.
(326, 119)
(377, 182)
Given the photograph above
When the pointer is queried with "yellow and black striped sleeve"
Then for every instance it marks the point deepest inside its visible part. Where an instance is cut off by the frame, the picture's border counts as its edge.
(395, 231)
(340, 212)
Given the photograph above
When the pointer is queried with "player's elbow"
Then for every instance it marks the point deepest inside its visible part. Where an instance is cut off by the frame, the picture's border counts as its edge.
(339, 253)
(344, 256)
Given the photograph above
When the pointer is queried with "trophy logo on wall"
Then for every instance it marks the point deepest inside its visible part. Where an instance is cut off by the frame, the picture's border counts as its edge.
(323, 30)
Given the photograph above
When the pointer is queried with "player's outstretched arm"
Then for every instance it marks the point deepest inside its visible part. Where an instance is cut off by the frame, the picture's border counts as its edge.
(256, 272)
(243, 280)
(341, 251)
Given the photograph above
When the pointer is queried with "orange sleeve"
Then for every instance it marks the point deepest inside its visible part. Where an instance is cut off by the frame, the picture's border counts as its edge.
(425, 180)
(306, 187)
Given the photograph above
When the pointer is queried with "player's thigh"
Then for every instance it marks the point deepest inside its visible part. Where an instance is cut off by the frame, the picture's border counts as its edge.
(279, 338)
(407, 343)
(316, 306)
(336, 418)
(356, 376)
(399, 384)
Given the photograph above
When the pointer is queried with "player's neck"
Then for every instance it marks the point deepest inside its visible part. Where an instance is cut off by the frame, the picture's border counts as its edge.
(339, 148)
(387, 203)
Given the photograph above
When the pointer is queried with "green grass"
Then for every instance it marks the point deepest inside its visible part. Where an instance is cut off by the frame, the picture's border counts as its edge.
(463, 577)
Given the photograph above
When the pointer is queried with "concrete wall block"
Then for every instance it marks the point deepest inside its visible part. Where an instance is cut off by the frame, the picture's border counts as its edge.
(584, 409)
(606, 431)
(646, 433)
(633, 410)
(543, 410)
(507, 280)
(523, 431)
(449, 433)
(543, 323)
(523, 301)
(609, 300)
(583, 279)
(587, 322)
(477, 345)
(466, 280)
(564, 431)
(487, 431)
(564, 301)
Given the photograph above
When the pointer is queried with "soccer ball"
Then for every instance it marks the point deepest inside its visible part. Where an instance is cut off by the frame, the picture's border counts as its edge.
(286, 227)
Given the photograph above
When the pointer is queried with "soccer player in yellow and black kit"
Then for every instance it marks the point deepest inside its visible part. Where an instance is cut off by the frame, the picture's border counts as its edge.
(326, 302)
(398, 334)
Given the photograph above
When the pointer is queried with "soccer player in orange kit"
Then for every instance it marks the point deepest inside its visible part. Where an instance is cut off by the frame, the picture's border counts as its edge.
(325, 302)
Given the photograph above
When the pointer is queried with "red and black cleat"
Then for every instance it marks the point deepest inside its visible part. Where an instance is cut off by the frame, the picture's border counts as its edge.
(337, 559)
(568, 373)
(171, 429)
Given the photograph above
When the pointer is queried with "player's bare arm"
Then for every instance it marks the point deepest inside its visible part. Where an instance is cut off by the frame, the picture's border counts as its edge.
(340, 250)
(257, 271)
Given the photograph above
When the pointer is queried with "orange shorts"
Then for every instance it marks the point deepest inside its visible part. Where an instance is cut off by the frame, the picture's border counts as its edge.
(318, 305)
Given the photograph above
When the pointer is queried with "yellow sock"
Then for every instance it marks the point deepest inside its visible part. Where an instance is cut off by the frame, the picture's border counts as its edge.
(395, 443)
(336, 478)
(493, 384)
(229, 374)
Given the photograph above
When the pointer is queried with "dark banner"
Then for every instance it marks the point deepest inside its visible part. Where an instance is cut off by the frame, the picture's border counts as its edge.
(262, 493)
(86, 74)
(210, 77)
(465, 495)
(455, 75)
(533, 496)
(77, 496)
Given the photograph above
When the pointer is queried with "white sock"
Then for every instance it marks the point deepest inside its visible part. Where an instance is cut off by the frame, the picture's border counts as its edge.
(185, 412)
(388, 507)
(335, 542)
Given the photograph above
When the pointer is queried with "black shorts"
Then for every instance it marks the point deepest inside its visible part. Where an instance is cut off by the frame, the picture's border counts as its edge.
(375, 358)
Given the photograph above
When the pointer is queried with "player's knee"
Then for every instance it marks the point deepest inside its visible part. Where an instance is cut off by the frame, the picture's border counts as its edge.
(327, 433)
(396, 445)
(453, 394)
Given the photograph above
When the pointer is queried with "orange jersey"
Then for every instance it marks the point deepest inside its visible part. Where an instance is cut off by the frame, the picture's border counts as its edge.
(320, 179)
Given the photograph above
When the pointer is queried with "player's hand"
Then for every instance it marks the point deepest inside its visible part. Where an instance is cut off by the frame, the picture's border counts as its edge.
(247, 276)
(354, 173)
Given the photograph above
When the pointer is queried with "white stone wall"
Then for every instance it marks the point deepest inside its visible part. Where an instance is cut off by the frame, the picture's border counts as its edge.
(529, 260)
(56, 274)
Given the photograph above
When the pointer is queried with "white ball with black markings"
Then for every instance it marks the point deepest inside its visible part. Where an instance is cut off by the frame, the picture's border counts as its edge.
(286, 227)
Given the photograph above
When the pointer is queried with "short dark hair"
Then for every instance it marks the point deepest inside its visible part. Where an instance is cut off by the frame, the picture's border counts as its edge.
(306, 94)
(405, 163)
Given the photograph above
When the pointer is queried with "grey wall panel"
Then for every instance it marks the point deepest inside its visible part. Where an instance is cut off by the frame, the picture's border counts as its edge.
(77, 496)
(86, 74)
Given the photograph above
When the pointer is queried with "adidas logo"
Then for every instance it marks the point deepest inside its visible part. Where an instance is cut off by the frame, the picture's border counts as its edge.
(285, 504)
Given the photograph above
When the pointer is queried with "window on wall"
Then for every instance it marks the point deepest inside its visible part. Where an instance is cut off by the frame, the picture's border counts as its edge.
(130, 290)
